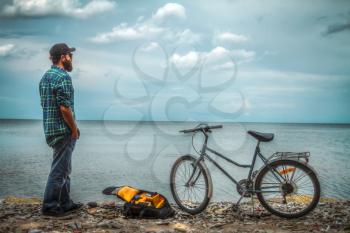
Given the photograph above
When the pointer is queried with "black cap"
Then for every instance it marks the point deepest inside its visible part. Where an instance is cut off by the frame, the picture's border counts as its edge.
(60, 49)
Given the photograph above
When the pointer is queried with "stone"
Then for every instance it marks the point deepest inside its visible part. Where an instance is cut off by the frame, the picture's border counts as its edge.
(109, 224)
(92, 204)
(92, 211)
(218, 217)
(22, 200)
(180, 227)
(35, 231)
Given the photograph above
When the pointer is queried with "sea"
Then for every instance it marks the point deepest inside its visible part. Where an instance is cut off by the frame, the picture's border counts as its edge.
(141, 154)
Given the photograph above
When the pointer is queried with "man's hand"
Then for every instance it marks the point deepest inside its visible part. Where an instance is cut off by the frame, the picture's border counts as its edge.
(76, 134)
(68, 118)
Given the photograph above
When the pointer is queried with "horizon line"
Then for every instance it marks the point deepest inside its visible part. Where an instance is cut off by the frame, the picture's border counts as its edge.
(262, 122)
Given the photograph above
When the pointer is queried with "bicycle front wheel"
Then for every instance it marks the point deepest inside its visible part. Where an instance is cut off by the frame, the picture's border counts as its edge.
(191, 194)
(288, 188)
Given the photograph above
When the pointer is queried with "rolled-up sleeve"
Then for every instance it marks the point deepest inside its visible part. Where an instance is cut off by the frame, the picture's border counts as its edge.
(64, 92)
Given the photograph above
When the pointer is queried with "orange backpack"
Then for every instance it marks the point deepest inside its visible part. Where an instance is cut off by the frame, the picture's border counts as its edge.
(141, 203)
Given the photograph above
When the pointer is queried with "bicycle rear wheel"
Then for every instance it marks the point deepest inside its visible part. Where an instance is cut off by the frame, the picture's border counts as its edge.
(194, 197)
(288, 188)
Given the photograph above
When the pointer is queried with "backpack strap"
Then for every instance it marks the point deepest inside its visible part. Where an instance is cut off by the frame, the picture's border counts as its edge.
(137, 196)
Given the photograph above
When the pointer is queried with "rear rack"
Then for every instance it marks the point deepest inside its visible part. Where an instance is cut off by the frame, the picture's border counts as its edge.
(290, 155)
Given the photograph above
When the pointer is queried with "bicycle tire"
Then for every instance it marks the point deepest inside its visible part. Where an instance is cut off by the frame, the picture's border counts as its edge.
(207, 181)
(298, 165)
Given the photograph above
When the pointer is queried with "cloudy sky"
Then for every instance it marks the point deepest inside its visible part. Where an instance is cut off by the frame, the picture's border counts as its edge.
(257, 61)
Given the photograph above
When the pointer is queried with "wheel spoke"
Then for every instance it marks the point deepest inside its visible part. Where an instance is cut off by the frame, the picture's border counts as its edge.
(291, 178)
(295, 195)
(192, 196)
(304, 175)
(269, 187)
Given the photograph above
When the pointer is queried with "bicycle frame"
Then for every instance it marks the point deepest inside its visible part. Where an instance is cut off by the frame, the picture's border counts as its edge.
(290, 198)
(251, 166)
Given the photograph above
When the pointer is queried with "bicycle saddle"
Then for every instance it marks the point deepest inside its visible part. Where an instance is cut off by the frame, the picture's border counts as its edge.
(264, 137)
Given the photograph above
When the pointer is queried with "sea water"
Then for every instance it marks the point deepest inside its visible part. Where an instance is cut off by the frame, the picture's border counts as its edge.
(141, 154)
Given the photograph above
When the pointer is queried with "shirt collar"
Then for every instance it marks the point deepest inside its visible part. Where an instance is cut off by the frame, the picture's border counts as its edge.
(58, 68)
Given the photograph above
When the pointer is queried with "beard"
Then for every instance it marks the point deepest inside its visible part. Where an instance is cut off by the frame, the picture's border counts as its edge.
(68, 65)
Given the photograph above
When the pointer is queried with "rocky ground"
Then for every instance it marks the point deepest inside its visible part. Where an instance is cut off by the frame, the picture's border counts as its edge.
(23, 215)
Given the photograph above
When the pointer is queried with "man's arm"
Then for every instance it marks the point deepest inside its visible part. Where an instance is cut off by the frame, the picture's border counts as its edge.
(69, 119)
(64, 93)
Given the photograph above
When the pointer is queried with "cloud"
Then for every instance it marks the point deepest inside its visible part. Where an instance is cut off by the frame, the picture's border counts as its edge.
(24, 55)
(6, 49)
(228, 37)
(220, 53)
(243, 55)
(192, 57)
(123, 32)
(187, 37)
(217, 53)
(151, 28)
(336, 28)
(45, 8)
(224, 66)
(218, 57)
(170, 10)
(150, 47)
(272, 90)
(188, 60)
(305, 79)
(146, 30)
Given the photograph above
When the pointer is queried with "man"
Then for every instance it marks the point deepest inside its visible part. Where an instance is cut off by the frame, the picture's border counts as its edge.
(61, 131)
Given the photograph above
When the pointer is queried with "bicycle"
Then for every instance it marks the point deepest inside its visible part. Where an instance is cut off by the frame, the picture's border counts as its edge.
(286, 185)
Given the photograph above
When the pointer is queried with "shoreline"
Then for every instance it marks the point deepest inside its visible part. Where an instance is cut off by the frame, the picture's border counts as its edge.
(164, 122)
(23, 215)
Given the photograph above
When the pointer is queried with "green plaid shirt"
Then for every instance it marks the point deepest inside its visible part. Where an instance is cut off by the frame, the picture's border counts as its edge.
(55, 89)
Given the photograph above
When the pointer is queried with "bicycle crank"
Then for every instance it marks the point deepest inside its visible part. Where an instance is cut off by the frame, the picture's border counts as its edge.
(243, 186)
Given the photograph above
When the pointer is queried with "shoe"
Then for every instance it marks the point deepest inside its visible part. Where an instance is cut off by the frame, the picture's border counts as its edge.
(53, 213)
(75, 206)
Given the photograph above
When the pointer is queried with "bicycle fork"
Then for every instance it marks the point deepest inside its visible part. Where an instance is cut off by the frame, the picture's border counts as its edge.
(191, 182)
(204, 147)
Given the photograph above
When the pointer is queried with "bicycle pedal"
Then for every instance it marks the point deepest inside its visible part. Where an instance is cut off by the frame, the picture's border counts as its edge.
(235, 208)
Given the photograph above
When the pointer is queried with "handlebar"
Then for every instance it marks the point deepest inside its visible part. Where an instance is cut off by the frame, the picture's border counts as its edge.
(206, 128)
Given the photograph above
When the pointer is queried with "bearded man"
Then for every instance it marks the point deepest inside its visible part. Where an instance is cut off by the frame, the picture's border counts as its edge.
(60, 128)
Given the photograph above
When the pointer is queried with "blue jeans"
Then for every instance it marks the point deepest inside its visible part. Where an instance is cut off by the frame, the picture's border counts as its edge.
(56, 197)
